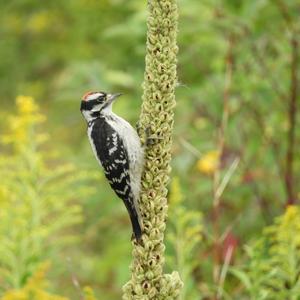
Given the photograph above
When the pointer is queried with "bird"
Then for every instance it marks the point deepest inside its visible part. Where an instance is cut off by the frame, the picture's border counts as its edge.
(117, 148)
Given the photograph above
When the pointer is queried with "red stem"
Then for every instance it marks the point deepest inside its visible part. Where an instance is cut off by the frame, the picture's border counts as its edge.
(217, 251)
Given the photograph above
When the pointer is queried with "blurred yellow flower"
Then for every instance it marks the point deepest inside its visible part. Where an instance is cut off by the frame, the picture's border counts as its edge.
(4, 196)
(21, 124)
(26, 105)
(34, 288)
(175, 194)
(38, 278)
(39, 22)
(291, 213)
(208, 163)
(201, 123)
(89, 293)
(269, 131)
(3, 192)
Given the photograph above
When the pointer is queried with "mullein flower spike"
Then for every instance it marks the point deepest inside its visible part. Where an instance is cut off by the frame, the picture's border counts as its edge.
(147, 278)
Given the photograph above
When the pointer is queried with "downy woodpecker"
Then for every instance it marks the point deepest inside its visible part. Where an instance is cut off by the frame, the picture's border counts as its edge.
(118, 149)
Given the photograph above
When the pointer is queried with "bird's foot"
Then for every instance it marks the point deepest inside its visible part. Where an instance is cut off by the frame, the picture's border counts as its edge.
(150, 138)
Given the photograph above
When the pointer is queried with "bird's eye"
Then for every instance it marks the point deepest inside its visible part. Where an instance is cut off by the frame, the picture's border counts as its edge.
(100, 99)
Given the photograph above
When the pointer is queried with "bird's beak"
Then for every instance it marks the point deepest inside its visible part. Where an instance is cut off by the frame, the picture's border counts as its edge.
(112, 97)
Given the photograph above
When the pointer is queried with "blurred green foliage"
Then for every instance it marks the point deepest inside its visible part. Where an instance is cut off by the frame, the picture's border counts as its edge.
(184, 236)
(55, 51)
(273, 268)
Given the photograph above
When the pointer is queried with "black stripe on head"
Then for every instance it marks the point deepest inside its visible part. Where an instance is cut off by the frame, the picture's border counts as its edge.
(88, 105)
(91, 100)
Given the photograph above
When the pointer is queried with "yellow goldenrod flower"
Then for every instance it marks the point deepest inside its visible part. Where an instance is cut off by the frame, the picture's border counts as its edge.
(38, 278)
(14, 295)
(21, 125)
(208, 163)
(34, 288)
(291, 213)
(89, 293)
(39, 22)
(26, 105)
(28, 198)
(3, 193)
(175, 194)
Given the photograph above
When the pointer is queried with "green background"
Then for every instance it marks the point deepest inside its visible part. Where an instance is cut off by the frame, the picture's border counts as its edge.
(56, 50)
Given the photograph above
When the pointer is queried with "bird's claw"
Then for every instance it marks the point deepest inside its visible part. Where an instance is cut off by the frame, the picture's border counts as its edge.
(151, 139)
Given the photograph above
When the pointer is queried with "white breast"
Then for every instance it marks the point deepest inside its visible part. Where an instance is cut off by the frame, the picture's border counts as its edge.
(135, 151)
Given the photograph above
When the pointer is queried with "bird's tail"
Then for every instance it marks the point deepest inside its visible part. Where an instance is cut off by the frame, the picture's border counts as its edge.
(135, 221)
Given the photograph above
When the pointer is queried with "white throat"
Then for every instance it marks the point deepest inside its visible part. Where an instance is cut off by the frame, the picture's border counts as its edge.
(106, 111)
(87, 114)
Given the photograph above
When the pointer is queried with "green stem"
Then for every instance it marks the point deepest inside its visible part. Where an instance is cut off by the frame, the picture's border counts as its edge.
(147, 278)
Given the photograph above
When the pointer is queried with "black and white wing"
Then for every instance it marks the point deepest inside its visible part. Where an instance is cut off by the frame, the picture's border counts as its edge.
(113, 156)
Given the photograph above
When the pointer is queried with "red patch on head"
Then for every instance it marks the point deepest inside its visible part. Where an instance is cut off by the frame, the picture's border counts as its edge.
(84, 97)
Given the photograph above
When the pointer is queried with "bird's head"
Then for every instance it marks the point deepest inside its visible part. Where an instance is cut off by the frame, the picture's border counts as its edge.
(93, 104)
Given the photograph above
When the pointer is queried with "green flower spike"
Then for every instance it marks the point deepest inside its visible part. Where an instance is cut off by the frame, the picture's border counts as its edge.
(147, 278)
